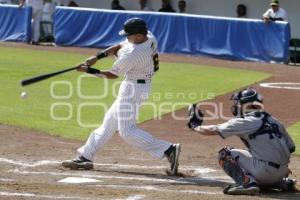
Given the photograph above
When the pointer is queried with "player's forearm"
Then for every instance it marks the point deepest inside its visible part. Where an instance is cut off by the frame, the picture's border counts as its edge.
(106, 74)
(207, 130)
(113, 50)
(102, 74)
(96, 72)
(102, 54)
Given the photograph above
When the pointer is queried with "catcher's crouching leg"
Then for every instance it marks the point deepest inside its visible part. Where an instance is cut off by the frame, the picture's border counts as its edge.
(231, 167)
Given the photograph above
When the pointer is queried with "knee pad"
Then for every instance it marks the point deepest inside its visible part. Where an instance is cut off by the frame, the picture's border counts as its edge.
(231, 166)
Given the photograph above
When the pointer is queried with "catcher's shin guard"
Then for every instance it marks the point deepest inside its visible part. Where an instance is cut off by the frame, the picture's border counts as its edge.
(231, 167)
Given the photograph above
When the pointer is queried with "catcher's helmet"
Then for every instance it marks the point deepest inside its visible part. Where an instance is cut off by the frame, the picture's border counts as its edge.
(134, 26)
(244, 96)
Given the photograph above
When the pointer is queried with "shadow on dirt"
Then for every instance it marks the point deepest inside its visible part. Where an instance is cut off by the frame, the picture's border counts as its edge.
(181, 179)
(276, 194)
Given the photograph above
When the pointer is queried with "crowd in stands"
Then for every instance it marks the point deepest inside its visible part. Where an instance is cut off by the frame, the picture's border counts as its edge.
(43, 13)
(166, 6)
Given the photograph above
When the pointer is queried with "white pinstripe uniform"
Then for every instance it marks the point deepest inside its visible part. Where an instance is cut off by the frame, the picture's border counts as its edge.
(135, 62)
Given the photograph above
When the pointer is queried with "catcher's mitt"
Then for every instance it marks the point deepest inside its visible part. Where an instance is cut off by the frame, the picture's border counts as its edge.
(195, 116)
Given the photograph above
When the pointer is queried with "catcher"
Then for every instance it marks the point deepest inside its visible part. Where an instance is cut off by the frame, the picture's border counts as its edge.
(265, 164)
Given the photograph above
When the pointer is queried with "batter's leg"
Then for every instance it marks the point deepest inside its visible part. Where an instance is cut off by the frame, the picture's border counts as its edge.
(135, 136)
(95, 141)
(101, 135)
(144, 140)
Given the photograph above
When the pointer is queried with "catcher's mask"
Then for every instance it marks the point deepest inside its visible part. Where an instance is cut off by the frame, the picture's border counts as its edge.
(243, 97)
(134, 26)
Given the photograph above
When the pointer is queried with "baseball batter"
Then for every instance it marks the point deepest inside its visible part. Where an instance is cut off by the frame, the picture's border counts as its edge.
(265, 164)
(37, 11)
(137, 61)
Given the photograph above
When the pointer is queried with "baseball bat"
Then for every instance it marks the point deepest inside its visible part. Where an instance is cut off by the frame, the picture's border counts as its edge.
(46, 76)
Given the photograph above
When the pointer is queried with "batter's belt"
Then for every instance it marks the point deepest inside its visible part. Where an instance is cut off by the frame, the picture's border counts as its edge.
(141, 81)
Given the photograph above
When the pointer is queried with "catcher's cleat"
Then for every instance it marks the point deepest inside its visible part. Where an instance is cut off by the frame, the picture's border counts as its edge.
(288, 185)
(248, 189)
(78, 163)
(225, 190)
(172, 153)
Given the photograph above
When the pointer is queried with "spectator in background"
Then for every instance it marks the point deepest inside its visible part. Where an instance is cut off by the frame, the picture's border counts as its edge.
(115, 5)
(241, 11)
(37, 10)
(48, 9)
(143, 5)
(275, 13)
(73, 4)
(47, 20)
(181, 6)
(166, 6)
(5, 2)
(56, 3)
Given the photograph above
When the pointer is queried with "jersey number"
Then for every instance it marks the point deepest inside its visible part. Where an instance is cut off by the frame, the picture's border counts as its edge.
(156, 62)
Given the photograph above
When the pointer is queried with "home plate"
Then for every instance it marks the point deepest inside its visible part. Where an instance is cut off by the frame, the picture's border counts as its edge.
(76, 180)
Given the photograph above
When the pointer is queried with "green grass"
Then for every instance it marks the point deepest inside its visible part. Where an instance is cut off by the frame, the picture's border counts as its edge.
(294, 131)
(174, 87)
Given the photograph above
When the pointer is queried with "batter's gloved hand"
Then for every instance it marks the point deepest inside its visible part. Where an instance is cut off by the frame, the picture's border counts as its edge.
(82, 67)
(91, 61)
(195, 117)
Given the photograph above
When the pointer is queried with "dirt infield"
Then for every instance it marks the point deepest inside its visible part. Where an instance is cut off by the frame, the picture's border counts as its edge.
(30, 161)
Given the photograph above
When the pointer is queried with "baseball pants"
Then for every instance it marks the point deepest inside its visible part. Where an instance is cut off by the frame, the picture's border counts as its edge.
(121, 117)
(261, 170)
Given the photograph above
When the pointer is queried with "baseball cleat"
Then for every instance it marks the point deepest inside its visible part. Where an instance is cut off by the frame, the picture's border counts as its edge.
(249, 189)
(288, 185)
(225, 190)
(173, 155)
(78, 163)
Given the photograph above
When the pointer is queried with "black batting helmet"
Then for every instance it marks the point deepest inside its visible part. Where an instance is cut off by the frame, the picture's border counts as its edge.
(134, 26)
(244, 96)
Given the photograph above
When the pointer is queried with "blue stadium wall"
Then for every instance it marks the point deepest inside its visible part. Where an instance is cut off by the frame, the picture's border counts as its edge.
(240, 39)
(226, 8)
(15, 23)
